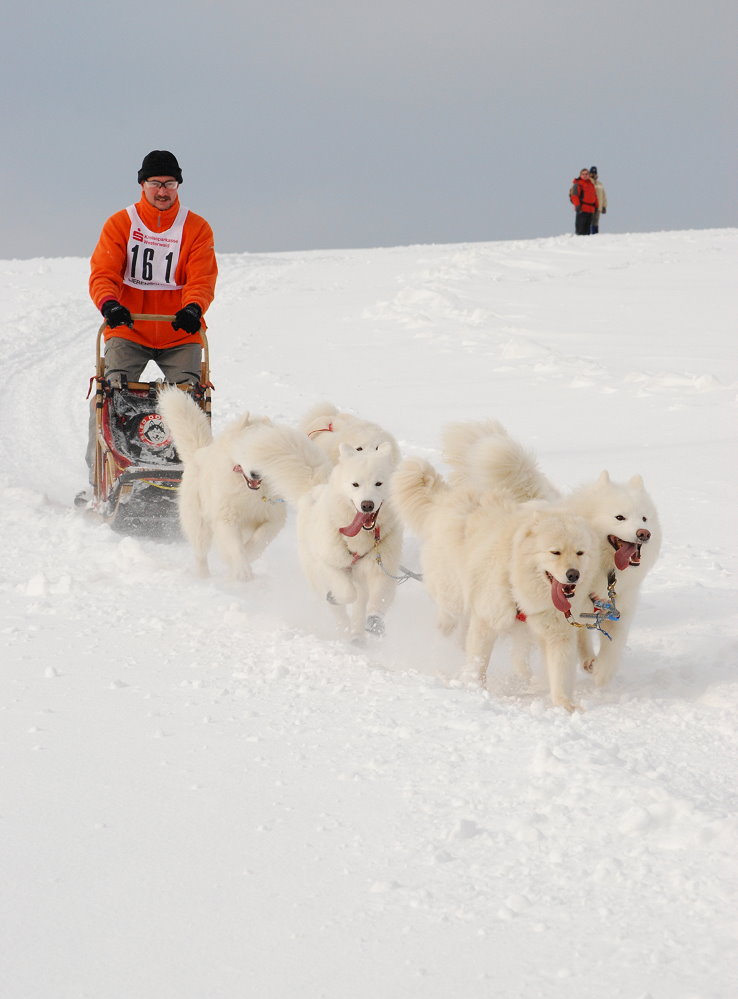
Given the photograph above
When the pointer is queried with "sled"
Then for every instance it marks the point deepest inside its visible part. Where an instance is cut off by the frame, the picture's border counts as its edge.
(137, 471)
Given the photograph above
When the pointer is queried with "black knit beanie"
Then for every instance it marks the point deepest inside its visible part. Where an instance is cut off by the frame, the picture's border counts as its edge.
(159, 163)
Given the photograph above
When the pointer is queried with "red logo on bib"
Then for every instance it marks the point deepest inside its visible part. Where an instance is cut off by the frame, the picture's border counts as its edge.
(138, 235)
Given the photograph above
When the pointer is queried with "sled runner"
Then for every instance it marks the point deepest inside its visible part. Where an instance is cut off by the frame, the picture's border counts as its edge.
(137, 470)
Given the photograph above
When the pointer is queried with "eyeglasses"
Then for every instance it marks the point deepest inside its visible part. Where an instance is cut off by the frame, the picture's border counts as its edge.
(171, 185)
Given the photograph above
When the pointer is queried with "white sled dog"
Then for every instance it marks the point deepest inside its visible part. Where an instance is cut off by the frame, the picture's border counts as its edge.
(220, 498)
(327, 427)
(489, 562)
(629, 534)
(623, 516)
(349, 540)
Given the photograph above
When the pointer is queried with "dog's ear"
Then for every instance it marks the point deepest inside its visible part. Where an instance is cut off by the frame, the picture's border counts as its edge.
(427, 474)
(531, 522)
(636, 482)
(604, 479)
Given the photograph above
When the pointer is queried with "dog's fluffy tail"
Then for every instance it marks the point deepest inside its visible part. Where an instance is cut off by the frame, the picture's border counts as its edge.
(318, 417)
(189, 426)
(289, 459)
(458, 440)
(416, 487)
(485, 458)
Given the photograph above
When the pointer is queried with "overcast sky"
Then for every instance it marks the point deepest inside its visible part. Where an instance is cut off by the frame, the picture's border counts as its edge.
(346, 123)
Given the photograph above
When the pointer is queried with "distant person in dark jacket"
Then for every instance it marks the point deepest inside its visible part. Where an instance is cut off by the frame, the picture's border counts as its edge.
(583, 195)
(601, 200)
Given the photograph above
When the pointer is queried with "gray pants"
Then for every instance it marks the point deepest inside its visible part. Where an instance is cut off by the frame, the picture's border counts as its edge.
(124, 357)
(178, 364)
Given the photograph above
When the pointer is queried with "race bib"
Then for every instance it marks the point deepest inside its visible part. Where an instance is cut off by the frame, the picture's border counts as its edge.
(153, 256)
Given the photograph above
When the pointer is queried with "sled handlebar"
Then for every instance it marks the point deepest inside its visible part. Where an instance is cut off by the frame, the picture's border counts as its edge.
(205, 365)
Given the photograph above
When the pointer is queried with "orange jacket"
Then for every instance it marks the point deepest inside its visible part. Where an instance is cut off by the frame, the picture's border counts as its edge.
(197, 271)
(583, 195)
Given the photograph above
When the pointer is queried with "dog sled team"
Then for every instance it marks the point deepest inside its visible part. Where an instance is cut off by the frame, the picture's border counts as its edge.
(502, 551)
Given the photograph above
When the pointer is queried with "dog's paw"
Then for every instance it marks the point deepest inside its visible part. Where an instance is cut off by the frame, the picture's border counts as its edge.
(471, 678)
(375, 625)
(446, 625)
(567, 705)
(588, 665)
(603, 672)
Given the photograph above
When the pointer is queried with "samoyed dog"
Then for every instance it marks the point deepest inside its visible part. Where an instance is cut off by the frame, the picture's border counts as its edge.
(629, 535)
(349, 539)
(327, 427)
(490, 562)
(220, 499)
(623, 515)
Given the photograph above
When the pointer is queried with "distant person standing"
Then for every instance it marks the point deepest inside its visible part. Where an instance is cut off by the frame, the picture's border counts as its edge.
(583, 195)
(601, 200)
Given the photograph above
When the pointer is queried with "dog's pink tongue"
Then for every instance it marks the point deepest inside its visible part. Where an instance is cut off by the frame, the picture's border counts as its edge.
(559, 597)
(624, 554)
(356, 524)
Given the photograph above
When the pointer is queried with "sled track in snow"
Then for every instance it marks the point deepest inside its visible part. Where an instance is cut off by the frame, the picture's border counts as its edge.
(50, 356)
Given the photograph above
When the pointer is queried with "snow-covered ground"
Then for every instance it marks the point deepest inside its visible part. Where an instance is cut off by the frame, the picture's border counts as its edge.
(204, 794)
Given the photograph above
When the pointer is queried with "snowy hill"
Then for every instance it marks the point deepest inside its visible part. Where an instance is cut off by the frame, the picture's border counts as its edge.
(205, 794)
